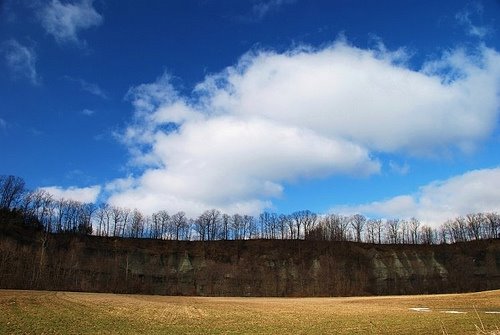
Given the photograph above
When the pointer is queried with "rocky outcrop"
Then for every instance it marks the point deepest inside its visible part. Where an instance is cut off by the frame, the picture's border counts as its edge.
(245, 268)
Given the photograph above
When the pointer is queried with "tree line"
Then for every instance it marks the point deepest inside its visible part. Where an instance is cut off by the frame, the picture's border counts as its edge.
(38, 208)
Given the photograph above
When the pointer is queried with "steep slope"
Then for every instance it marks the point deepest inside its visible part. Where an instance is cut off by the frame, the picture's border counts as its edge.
(244, 268)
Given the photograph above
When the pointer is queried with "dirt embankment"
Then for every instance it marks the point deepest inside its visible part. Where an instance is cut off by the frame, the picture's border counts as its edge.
(244, 268)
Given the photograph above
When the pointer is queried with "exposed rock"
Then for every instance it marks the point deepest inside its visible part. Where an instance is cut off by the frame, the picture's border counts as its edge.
(246, 268)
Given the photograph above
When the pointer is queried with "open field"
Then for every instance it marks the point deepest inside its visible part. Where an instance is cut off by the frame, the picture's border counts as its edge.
(38, 312)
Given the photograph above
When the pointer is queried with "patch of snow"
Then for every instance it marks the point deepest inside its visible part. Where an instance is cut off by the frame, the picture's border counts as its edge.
(420, 309)
(453, 312)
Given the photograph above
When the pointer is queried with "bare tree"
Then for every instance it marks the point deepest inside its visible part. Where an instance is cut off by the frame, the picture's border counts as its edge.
(303, 220)
(235, 225)
(180, 223)
(458, 228)
(298, 222)
(162, 226)
(268, 225)
(310, 220)
(85, 220)
(414, 225)
(443, 234)
(72, 216)
(329, 223)
(103, 218)
(358, 222)
(344, 227)
(378, 230)
(249, 227)
(28, 208)
(11, 191)
(126, 219)
(447, 229)
(393, 230)
(273, 228)
(371, 231)
(283, 224)
(137, 227)
(493, 225)
(166, 226)
(225, 226)
(427, 235)
(475, 223)
(405, 231)
(38, 208)
(117, 219)
(214, 216)
(61, 209)
(155, 226)
(335, 227)
(293, 233)
(207, 224)
(243, 226)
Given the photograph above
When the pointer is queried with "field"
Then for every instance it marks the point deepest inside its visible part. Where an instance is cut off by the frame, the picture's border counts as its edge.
(38, 312)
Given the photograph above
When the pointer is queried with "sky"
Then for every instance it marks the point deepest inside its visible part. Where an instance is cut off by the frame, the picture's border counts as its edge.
(385, 108)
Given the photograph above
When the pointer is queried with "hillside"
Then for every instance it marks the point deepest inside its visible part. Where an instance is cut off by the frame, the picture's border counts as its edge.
(32, 260)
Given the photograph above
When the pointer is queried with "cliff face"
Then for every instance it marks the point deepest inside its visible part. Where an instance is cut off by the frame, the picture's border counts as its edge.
(245, 268)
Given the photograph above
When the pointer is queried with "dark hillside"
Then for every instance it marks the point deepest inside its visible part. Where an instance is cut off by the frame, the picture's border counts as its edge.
(30, 259)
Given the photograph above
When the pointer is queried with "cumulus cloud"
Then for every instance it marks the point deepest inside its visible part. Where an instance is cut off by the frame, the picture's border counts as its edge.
(366, 96)
(472, 192)
(84, 194)
(227, 163)
(65, 20)
(273, 118)
(20, 60)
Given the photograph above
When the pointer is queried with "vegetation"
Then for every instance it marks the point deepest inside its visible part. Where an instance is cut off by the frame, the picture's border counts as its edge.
(40, 210)
(38, 312)
(31, 259)
(65, 245)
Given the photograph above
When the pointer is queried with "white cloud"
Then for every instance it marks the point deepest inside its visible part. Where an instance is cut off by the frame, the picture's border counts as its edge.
(226, 162)
(20, 60)
(401, 169)
(88, 112)
(88, 87)
(306, 113)
(84, 194)
(65, 20)
(475, 9)
(93, 89)
(120, 184)
(364, 96)
(3, 124)
(262, 8)
(472, 192)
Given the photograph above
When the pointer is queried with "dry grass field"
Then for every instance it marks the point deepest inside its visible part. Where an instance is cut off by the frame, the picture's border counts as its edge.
(36, 312)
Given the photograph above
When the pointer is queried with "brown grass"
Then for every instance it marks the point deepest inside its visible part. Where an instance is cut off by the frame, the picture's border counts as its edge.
(35, 312)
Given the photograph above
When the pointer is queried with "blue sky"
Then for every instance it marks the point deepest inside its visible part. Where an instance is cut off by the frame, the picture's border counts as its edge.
(387, 108)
